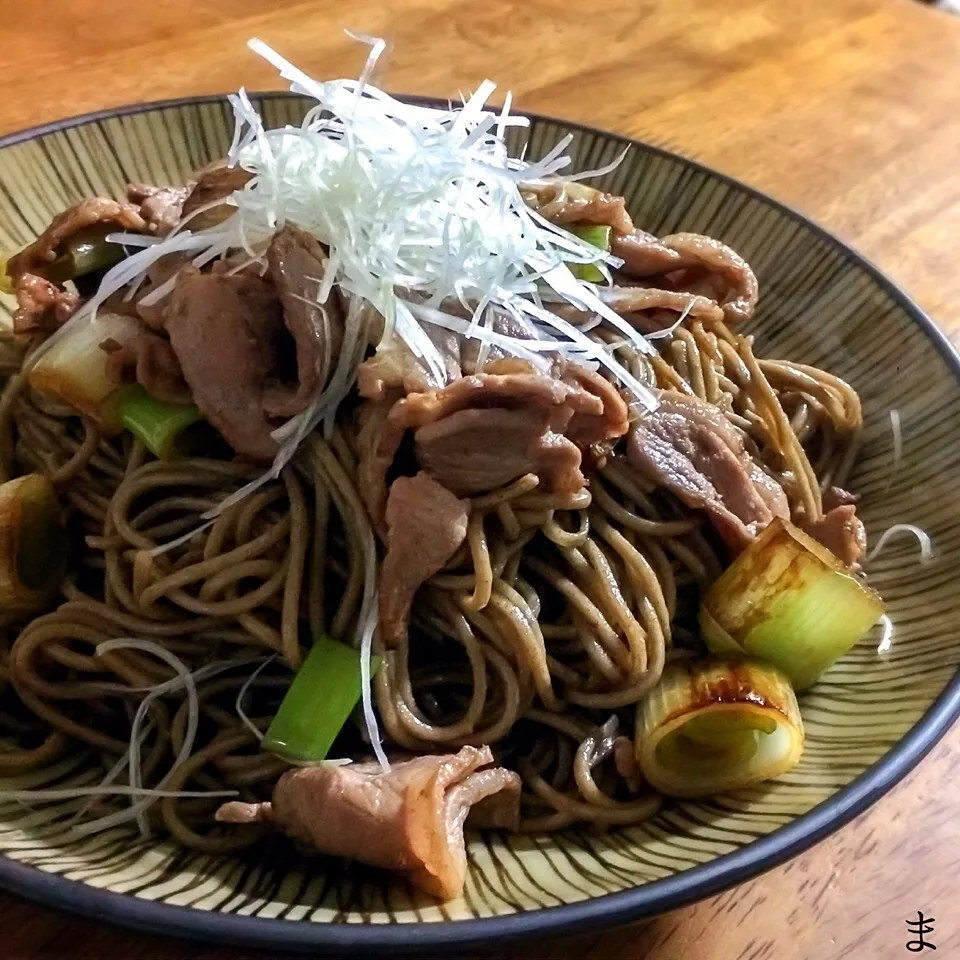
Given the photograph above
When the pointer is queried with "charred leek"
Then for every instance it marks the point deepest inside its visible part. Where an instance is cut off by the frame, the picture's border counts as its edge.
(76, 368)
(32, 545)
(86, 252)
(788, 600)
(318, 703)
(715, 725)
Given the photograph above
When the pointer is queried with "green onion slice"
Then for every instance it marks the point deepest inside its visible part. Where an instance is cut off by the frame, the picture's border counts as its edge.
(158, 424)
(318, 703)
(596, 236)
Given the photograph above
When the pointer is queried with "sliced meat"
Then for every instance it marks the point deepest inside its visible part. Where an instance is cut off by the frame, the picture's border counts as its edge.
(723, 274)
(648, 309)
(149, 360)
(226, 333)
(410, 819)
(215, 182)
(394, 366)
(842, 532)
(297, 264)
(838, 497)
(41, 305)
(587, 429)
(488, 429)
(520, 387)
(503, 323)
(695, 264)
(87, 213)
(562, 202)
(426, 524)
(474, 451)
(689, 447)
(643, 255)
(160, 207)
(377, 442)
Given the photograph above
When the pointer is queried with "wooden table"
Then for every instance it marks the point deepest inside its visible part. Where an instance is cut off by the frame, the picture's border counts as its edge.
(847, 109)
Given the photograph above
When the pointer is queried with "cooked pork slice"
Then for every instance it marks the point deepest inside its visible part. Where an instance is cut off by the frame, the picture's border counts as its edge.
(410, 819)
(426, 524)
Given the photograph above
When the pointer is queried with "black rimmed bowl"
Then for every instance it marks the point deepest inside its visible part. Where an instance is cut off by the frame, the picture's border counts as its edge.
(868, 722)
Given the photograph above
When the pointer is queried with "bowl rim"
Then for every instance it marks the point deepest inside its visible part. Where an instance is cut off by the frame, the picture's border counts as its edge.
(606, 911)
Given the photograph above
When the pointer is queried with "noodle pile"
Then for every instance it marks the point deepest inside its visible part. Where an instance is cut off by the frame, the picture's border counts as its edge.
(539, 637)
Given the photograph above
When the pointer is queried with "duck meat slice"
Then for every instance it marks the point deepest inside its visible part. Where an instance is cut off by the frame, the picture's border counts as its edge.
(149, 360)
(690, 448)
(394, 366)
(426, 524)
(205, 204)
(474, 450)
(565, 202)
(694, 264)
(227, 333)
(160, 207)
(489, 429)
(842, 532)
(410, 819)
(41, 305)
(297, 264)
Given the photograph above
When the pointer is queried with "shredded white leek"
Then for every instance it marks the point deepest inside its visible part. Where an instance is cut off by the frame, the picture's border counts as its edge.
(368, 626)
(72, 793)
(178, 541)
(923, 538)
(897, 434)
(184, 678)
(886, 640)
(242, 693)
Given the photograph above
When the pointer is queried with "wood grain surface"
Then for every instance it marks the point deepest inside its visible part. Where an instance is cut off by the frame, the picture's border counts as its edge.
(846, 109)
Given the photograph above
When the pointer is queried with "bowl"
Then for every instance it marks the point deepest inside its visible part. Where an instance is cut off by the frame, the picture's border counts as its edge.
(869, 721)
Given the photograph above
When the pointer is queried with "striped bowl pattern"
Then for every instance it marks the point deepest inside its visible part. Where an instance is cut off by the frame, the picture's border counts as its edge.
(820, 304)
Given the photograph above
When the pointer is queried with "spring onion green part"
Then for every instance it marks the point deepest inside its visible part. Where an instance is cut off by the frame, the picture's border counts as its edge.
(87, 251)
(596, 236)
(32, 545)
(718, 725)
(320, 700)
(158, 424)
(789, 600)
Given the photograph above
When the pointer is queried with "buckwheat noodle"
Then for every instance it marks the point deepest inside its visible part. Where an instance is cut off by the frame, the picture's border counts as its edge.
(555, 617)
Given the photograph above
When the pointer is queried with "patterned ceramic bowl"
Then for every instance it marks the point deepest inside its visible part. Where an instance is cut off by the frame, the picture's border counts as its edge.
(868, 722)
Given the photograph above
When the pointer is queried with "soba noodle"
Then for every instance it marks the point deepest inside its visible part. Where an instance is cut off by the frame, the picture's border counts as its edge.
(550, 623)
